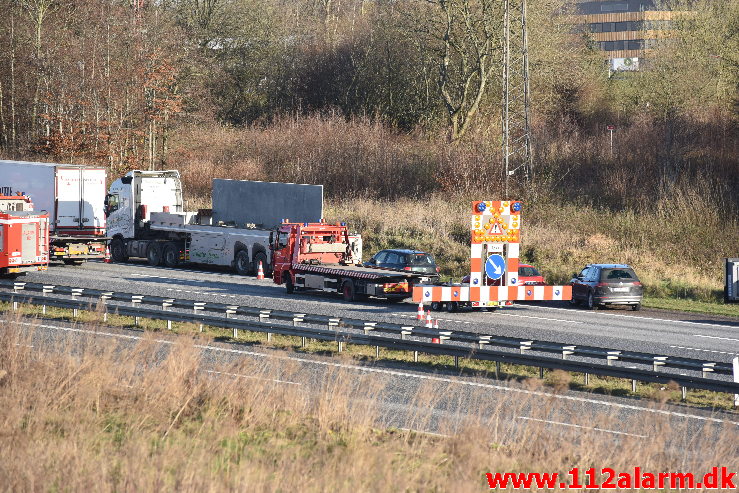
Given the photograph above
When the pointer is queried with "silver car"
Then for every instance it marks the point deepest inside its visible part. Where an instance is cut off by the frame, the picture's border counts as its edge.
(607, 284)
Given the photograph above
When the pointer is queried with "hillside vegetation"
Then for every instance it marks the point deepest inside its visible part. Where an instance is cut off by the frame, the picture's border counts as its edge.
(395, 108)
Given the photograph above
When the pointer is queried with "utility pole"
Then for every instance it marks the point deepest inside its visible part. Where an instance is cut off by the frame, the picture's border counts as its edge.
(517, 158)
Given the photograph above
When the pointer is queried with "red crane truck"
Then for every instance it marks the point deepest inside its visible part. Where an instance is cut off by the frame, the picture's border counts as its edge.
(24, 235)
(327, 257)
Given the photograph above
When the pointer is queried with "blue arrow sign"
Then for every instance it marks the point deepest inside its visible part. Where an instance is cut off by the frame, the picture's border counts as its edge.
(495, 266)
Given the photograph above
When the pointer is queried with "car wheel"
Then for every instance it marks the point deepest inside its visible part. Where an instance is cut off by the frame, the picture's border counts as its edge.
(259, 257)
(241, 263)
(636, 307)
(452, 306)
(171, 255)
(591, 302)
(573, 301)
(154, 254)
(118, 250)
(347, 290)
(289, 286)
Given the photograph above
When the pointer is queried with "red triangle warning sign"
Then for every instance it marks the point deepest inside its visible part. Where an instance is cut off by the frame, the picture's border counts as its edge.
(495, 229)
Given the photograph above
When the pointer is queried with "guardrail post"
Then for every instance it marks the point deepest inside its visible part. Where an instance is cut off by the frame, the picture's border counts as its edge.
(104, 297)
(134, 301)
(405, 331)
(612, 356)
(658, 361)
(340, 344)
(46, 290)
(377, 352)
(369, 326)
(684, 391)
(264, 317)
(541, 372)
(297, 318)
(482, 341)
(633, 386)
(231, 310)
(497, 370)
(18, 286)
(444, 335)
(567, 350)
(587, 378)
(735, 371)
(198, 306)
(76, 292)
(707, 368)
(524, 345)
(333, 322)
(415, 356)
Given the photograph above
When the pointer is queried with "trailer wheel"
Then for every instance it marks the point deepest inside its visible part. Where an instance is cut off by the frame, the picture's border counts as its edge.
(242, 265)
(154, 254)
(289, 286)
(118, 250)
(452, 306)
(436, 306)
(347, 290)
(171, 255)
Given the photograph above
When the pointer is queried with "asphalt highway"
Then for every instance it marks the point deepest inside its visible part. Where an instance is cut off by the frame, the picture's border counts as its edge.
(669, 333)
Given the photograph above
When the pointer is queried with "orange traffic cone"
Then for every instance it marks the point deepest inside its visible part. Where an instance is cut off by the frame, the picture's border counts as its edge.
(106, 259)
(260, 272)
(420, 311)
(429, 323)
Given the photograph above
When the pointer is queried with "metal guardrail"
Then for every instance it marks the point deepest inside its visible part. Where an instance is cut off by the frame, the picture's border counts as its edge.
(481, 340)
(334, 333)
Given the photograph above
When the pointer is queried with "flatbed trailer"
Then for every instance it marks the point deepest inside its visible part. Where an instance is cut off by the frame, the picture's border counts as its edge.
(327, 258)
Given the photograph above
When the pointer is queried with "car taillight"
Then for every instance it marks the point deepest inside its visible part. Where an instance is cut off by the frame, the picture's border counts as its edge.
(406, 268)
(637, 283)
(437, 269)
(601, 285)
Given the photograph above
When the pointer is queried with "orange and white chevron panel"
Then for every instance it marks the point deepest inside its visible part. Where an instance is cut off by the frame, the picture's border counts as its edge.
(423, 293)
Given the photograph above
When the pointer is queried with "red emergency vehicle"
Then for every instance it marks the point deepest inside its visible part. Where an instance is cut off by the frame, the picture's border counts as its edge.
(24, 234)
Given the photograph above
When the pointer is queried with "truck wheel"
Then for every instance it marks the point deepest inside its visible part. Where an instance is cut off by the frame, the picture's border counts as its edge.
(118, 250)
(154, 254)
(171, 255)
(71, 261)
(242, 265)
(259, 257)
(347, 290)
(289, 286)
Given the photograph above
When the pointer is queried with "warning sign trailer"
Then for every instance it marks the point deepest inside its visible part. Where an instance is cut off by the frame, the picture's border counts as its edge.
(495, 236)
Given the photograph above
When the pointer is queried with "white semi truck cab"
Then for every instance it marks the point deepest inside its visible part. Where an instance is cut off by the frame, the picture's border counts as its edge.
(146, 219)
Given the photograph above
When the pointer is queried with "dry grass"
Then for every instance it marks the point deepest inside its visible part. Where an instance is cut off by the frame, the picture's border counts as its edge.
(147, 416)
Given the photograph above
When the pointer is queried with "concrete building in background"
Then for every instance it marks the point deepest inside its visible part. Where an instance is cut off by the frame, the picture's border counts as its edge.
(624, 30)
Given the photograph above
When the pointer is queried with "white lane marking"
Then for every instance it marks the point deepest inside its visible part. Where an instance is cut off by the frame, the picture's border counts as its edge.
(716, 337)
(637, 317)
(252, 377)
(403, 374)
(205, 293)
(583, 427)
(167, 278)
(705, 350)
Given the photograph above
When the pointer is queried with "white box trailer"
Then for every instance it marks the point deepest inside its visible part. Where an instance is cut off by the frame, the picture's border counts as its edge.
(74, 197)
